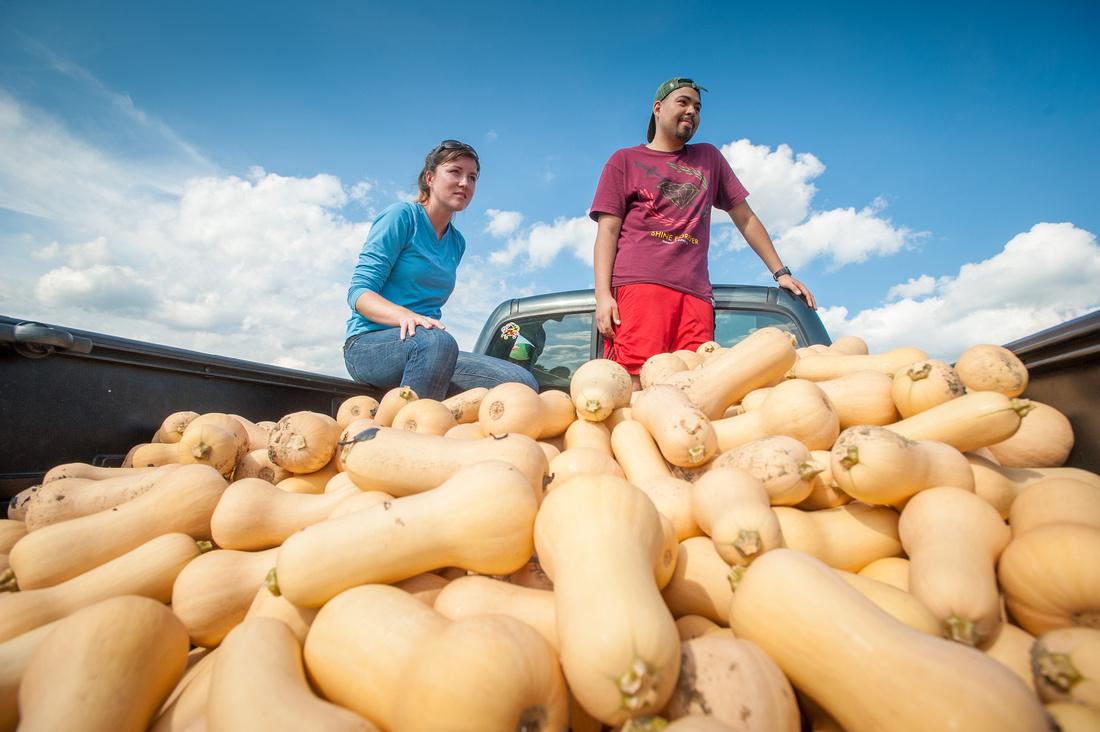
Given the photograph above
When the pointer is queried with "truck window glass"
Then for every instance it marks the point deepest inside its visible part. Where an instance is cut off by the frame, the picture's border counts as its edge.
(731, 326)
(550, 347)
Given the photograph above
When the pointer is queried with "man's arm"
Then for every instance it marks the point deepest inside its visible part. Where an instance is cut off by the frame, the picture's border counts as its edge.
(603, 258)
(744, 218)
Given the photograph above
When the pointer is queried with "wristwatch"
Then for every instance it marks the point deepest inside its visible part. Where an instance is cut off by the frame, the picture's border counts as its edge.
(780, 272)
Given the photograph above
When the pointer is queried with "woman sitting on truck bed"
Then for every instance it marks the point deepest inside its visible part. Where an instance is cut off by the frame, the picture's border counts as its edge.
(406, 272)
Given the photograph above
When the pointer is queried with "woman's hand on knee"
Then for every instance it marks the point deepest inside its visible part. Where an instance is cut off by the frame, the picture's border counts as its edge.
(408, 321)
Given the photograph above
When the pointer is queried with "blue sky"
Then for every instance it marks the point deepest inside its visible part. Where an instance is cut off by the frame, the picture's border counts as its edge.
(200, 175)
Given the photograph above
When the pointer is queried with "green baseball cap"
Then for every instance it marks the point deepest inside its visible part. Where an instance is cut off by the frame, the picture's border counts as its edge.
(663, 91)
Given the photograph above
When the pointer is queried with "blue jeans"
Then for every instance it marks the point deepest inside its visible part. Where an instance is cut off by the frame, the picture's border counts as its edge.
(429, 362)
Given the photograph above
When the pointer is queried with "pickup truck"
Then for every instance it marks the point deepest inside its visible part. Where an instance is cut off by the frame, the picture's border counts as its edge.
(76, 396)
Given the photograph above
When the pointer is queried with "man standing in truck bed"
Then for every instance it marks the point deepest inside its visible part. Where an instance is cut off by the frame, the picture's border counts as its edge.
(652, 206)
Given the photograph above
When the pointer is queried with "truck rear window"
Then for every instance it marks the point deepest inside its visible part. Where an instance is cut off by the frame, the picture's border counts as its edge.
(550, 347)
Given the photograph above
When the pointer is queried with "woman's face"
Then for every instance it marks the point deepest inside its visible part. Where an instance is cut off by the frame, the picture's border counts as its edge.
(453, 182)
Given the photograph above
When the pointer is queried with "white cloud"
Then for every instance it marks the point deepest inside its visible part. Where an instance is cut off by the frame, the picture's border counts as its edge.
(779, 182)
(492, 135)
(542, 242)
(915, 287)
(502, 223)
(1040, 278)
(844, 236)
(480, 287)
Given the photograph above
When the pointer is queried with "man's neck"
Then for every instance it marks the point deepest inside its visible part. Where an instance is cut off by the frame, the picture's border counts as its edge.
(664, 143)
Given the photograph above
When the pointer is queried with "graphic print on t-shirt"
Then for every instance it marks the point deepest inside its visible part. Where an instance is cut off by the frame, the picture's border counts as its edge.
(679, 194)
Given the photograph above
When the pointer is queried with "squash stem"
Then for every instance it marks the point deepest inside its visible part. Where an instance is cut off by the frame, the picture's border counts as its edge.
(296, 442)
(638, 686)
(592, 406)
(808, 469)
(851, 458)
(272, 583)
(204, 545)
(918, 373)
(645, 723)
(1021, 406)
(748, 542)
(201, 451)
(8, 583)
(735, 575)
(533, 719)
(695, 453)
(1056, 669)
(962, 630)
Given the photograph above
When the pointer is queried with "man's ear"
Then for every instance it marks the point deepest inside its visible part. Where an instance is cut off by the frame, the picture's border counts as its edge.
(656, 109)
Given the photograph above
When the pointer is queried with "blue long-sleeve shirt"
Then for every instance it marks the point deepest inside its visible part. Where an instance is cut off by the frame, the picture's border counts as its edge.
(404, 262)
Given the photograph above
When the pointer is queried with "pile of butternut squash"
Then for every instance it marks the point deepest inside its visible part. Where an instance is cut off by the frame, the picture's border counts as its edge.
(761, 538)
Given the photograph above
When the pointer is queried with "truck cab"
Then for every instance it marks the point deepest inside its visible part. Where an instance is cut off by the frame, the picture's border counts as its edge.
(551, 335)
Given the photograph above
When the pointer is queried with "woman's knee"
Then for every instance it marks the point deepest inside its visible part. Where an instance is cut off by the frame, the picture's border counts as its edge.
(436, 344)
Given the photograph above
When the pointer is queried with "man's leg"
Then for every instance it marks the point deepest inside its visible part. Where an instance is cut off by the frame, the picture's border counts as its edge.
(649, 316)
(696, 325)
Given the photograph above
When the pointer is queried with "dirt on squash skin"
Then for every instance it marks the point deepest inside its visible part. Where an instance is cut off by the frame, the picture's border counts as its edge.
(496, 410)
(693, 701)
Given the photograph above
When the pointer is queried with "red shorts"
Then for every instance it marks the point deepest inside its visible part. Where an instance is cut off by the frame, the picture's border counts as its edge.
(657, 319)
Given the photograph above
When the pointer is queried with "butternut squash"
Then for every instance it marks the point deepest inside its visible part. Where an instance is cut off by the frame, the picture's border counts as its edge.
(987, 367)
(379, 652)
(580, 461)
(659, 367)
(424, 587)
(701, 583)
(849, 537)
(479, 519)
(511, 407)
(861, 397)
(826, 492)
(1012, 647)
(185, 708)
(465, 405)
(15, 655)
(925, 384)
(598, 387)
(531, 575)
(849, 345)
(758, 360)
(637, 453)
(731, 507)
(898, 603)
(69, 498)
(182, 503)
(734, 682)
(672, 499)
(153, 455)
(822, 366)
(1066, 664)
(697, 724)
(359, 502)
(692, 359)
(600, 540)
(470, 596)
(257, 436)
(71, 678)
(682, 431)
(360, 406)
(392, 402)
(796, 408)
(209, 444)
(1055, 501)
(893, 571)
(403, 463)
(848, 656)
(11, 531)
(1044, 440)
(427, 416)
(1000, 486)
(303, 442)
(254, 515)
(257, 465)
(171, 429)
(148, 571)
(1049, 579)
(592, 435)
(877, 465)
(258, 683)
(213, 593)
(557, 413)
(694, 626)
(977, 419)
(266, 604)
(782, 464)
(88, 472)
(228, 423)
(471, 431)
(953, 539)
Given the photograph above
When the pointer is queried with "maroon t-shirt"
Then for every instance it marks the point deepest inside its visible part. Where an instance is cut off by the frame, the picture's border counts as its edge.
(665, 200)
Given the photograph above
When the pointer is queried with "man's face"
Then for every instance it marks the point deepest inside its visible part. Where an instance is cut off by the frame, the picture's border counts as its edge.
(677, 114)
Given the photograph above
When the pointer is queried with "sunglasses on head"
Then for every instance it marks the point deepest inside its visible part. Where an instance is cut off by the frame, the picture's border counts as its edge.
(456, 145)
